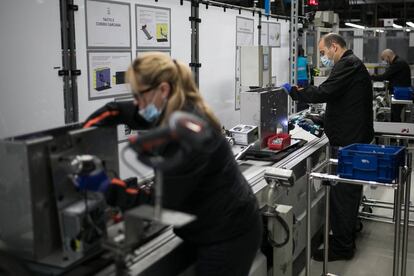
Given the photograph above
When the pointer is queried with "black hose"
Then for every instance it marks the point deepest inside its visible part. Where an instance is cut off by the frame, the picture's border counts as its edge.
(285, 227)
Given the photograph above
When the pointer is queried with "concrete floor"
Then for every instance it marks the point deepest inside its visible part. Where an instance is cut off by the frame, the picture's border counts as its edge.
(374, 254)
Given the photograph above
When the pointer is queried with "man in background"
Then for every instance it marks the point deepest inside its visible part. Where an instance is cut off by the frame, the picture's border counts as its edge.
(398, 74)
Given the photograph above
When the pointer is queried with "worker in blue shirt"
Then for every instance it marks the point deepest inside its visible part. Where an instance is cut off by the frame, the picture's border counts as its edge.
(302, 65)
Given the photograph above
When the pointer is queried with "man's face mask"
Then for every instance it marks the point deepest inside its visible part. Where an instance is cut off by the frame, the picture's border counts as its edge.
(328, 63)
(384, 62)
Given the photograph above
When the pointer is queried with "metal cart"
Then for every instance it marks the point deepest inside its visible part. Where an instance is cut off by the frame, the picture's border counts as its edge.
(401, 187)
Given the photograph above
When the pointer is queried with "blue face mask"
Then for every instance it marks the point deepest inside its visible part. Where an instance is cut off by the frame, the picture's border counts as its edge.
(150, 113)
(328, 63)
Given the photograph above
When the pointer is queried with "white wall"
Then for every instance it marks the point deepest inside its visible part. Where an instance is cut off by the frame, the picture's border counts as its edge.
(31, 92)
(280, 56)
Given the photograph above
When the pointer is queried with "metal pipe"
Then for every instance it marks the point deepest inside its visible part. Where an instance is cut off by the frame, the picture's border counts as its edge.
(370, 200)
(259, 30)
(235, 7)
(397, 136)
(384, 206)
(406, 216)
(158, 194)
(308, 215)
(326, 233)
(386, 220)
(195, 41)
(395, 204)
(397, 225)
(335, 178)
(377, 206)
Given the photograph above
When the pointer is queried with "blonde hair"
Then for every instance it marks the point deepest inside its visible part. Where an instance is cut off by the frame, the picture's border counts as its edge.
(153, 68)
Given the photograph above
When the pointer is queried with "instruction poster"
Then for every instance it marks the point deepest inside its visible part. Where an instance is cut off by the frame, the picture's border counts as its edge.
(106, 73)
(244, 31)
(274, 34)
(153, 27)
(108, 24)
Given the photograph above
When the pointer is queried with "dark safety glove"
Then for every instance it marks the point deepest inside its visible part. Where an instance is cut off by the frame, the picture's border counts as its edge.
(316, 119)
(306, 123)
(115, 113)
(287, 87)
(126, 194)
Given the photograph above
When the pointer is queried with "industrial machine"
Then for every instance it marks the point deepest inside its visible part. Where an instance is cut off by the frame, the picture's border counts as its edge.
(267, 109)
(54, 225)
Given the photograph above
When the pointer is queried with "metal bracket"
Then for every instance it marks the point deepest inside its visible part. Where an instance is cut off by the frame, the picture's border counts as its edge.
(196, 65)
(76, 72)
(194, 19)
(73, 7)
(63, 72)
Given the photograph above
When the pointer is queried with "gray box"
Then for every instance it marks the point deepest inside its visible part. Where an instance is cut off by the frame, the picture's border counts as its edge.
(265, 108)
(244, 134)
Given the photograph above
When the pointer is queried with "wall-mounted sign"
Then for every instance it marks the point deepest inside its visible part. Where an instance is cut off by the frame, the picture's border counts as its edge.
(108, 24)
(153, 27)
(106, 74)
(274, 34)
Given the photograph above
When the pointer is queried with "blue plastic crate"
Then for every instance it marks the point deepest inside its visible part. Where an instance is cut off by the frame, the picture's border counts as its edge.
(403, 93)
(370, 162)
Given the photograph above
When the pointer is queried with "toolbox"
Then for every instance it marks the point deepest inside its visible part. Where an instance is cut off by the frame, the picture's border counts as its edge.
(403, 93)
(370, 162)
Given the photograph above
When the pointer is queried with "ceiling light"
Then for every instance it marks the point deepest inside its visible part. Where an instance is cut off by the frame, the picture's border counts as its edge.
(411, 24)
(379, 31)
(396, 26)
(407, 30)
(354, 25)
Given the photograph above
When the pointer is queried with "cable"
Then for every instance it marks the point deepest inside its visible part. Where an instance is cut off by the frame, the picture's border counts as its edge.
(285, 227)
(129, 166)
(87, 218)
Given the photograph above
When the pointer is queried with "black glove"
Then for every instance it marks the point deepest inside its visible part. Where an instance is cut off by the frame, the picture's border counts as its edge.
(125, 194)
(115, 113)
(316, 119)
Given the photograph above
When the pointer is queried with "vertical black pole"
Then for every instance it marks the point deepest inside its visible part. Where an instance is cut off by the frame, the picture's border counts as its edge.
(73, 67)
(195, 40)
(69, 72)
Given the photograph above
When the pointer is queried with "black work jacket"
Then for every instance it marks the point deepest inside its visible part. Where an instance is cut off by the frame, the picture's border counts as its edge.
(348, 96)
(398, 73)
(207, 183)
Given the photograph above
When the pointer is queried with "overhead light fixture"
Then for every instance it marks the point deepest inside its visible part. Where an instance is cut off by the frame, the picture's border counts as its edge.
(354, 25)
(396, 26)
(379, 31)
(407, 30)
(411, 24)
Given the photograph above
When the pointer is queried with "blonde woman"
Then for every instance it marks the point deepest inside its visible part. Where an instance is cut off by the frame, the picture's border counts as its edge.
(208, 183)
